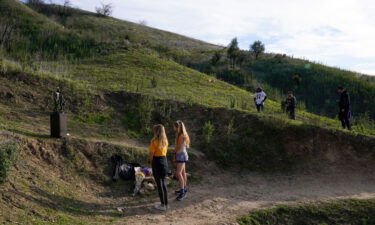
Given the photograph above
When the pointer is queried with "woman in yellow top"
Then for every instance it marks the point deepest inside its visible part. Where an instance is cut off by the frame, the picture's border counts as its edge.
(181, 157)
(157, 157)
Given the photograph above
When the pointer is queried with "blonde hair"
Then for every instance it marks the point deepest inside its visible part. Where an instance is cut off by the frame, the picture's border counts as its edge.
(181, 130)
(160, 136)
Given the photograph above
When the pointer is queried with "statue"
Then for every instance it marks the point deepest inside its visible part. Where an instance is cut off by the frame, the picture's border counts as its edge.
(58, 118)
(59, 101)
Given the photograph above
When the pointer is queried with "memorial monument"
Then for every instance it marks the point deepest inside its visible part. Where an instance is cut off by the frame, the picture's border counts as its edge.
(58, 117)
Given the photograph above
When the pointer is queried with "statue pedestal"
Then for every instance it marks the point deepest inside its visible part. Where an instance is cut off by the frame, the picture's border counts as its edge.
(58, 125)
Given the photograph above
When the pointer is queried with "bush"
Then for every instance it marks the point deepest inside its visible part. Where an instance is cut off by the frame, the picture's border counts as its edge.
(208, 130)
(231, 76)
(104, 10)
(9, 152)
(349, 211)
(154, 82)
(94, 118)
(363, 122)
(232, 102)
(144, 110)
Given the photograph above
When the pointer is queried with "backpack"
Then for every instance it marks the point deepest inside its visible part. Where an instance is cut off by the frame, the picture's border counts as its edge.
(123, 169)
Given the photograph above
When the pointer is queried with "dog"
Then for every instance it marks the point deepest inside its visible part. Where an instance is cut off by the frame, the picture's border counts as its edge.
(131, 171)
(142, 174)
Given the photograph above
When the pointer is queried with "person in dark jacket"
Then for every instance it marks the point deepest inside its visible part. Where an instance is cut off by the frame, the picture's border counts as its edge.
(344, 107)
(290, 104)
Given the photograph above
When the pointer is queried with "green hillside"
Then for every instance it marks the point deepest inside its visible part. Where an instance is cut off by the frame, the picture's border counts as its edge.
(351, 211)
(119, 79)
(75, 39)
(314, 84)
(102, 53)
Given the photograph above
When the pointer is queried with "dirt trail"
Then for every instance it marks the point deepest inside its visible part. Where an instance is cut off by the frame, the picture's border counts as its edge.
(220, 199)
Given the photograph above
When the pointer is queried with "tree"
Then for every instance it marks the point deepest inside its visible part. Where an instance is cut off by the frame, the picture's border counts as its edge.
(104, 10)
(257, 48)
(241, 58)
(66, 9)
(233, 52)
(216, 58)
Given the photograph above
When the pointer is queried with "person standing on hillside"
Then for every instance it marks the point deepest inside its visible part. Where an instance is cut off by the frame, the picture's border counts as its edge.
(181, 157)
(344, 108)
(259, 98)
(158, 158)
(290, 104)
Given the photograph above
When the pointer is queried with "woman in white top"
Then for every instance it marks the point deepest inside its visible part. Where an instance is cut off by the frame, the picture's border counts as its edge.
(181, 157)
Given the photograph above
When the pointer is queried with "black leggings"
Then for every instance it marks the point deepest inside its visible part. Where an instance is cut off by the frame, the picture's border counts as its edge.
(162, 189)
(160, 171)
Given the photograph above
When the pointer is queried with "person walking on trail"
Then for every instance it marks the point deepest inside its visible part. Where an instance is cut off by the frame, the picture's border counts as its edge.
(259, 98)
(290, 104)
(181, 157)
(157, 157)
(344, 107)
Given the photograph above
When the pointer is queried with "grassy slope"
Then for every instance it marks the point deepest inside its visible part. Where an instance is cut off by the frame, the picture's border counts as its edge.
(351, 211)
(115, 30)
(278, 72)
(124, 69)
(55, 185)
(131, 67)
(274, 72)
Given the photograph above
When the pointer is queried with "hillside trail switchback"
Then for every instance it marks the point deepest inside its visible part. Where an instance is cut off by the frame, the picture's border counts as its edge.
(221, 196)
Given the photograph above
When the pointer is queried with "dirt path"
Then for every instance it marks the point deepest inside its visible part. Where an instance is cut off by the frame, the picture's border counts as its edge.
(221, 198)
(218, 198)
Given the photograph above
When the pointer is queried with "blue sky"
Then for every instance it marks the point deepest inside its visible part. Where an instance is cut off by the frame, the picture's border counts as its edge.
(338, 33)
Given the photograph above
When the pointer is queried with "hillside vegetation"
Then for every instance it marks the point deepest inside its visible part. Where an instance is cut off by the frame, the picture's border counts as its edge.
(108, 54)
(119, 79)
(351, 211)
(314, 84)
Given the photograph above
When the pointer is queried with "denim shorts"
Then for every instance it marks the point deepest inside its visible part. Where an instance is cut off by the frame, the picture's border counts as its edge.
(182, 157)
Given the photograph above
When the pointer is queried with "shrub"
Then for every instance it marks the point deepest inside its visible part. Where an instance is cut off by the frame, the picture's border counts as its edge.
(104, 9)
(232, 102)
(9, 152)
(154, 82)
(231, 76)
(363, 122)
(208, 130)
(144, 110)
(94, 118)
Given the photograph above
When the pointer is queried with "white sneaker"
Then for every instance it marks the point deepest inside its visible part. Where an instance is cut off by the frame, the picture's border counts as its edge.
(161, 207)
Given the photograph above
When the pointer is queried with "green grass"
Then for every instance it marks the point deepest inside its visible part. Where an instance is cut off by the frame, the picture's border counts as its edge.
(9, 152)
(134, 70)
(94, 118)
(350, 211)
(119, 66)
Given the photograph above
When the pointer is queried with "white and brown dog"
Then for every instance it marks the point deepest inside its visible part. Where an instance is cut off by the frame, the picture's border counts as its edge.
(142, 174)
